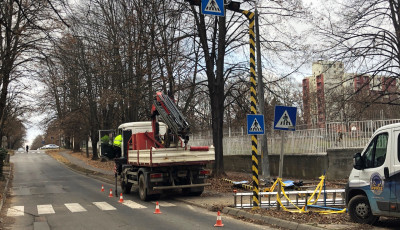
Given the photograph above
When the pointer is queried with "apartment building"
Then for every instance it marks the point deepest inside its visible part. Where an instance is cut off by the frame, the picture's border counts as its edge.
(320, 92)
(325, 91)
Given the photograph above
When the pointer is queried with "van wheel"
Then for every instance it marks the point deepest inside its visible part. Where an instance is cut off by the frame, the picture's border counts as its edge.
(360, 210)
(142, 188)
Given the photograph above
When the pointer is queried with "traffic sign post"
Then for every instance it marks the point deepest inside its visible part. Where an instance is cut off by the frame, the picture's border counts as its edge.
(213, 7)
(284, 119)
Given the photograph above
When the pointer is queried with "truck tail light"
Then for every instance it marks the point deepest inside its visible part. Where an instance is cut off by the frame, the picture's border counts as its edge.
(155, 175)
(204, 172)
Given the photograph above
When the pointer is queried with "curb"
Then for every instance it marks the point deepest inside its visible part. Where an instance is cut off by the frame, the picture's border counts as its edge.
(4, 195)
(269, 220)
(97, 177)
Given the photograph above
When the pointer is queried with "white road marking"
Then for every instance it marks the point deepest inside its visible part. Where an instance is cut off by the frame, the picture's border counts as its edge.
(16, 211)
(104, 206)
(133, 204)
(191, 207)
(164, 204)
(75, 207)
(45, 209)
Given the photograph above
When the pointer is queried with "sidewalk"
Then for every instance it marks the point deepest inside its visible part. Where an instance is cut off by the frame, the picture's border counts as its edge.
(82, 164)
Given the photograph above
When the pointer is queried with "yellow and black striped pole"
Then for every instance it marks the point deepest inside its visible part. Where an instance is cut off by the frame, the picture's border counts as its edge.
(253, 102)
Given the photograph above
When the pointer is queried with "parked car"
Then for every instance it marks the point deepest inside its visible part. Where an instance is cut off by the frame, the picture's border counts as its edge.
(50, 146)
(21, 150)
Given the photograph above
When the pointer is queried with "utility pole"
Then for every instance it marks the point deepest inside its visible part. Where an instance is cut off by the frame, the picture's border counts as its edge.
(260, 87)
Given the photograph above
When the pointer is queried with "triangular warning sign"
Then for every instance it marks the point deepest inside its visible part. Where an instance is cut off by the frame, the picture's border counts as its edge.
(255, 127)
(284, 121)
(212, 6)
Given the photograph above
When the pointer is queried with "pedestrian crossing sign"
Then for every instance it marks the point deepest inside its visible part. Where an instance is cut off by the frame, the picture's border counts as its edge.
(285, 118)
(213, 7)
(255, 124)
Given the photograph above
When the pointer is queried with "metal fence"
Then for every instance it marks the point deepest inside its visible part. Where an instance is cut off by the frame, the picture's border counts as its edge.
(307, 141)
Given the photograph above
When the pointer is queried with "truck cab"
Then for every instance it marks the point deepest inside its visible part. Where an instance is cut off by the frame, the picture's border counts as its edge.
(373, 188)
(127, 129)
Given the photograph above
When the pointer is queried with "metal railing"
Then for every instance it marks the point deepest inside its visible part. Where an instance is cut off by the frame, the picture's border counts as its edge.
(298, 198)
(353, 134)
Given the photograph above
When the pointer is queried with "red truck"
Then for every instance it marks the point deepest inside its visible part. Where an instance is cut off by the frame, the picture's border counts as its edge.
(156, 155)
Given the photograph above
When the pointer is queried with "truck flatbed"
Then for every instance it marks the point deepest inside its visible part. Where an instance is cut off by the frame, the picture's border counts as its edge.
(170, 156)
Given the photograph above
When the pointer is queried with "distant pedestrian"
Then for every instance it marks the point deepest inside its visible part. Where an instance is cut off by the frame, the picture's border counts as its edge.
(27, 148)
(340, 136)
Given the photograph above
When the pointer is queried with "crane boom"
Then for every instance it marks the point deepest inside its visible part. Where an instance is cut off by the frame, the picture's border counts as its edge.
(166, 108)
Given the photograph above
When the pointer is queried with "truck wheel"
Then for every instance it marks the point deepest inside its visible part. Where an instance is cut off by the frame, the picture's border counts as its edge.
(360, 210)
(126, 187)
(142, 188)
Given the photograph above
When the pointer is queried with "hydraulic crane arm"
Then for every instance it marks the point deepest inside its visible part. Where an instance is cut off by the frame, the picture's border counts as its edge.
(171, 115)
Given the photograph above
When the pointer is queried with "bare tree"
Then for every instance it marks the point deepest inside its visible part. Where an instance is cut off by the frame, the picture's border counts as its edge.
(365, 35)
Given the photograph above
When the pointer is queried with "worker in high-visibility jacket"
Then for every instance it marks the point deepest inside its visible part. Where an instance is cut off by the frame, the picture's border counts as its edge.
(117, 145)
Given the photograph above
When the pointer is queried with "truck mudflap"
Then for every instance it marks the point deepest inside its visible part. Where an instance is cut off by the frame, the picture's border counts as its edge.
(180, 186)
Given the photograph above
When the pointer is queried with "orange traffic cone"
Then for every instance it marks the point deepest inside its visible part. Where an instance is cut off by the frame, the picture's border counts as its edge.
(102, 188)
(219, 221)
(121, 199)
(157, 209)
(111, 195)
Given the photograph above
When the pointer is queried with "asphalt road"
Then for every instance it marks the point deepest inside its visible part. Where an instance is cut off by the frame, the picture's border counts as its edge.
(47, 195)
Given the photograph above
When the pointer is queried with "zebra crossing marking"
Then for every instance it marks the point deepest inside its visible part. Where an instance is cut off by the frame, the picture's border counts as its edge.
(45, 209)
(133, 204)
(75, 207)
(15, 211)
(104, 206)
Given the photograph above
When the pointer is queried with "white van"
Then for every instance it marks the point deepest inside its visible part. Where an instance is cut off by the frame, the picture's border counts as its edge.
(373, 188)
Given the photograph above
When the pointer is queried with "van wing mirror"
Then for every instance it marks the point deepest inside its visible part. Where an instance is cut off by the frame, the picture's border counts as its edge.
(358, 161)
(386, 172)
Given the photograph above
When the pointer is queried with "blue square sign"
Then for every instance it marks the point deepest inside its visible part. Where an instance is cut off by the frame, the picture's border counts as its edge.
(255, 124)
(213, 7)
(285, 118)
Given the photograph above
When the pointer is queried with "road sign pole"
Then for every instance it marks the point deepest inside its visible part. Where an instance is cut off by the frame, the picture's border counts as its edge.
(284, 119)
(280, 166)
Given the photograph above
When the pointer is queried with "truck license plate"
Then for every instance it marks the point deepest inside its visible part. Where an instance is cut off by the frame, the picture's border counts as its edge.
(182, 173)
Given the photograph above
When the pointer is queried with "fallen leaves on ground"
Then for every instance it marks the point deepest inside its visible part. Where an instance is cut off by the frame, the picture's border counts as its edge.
(97, 163)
